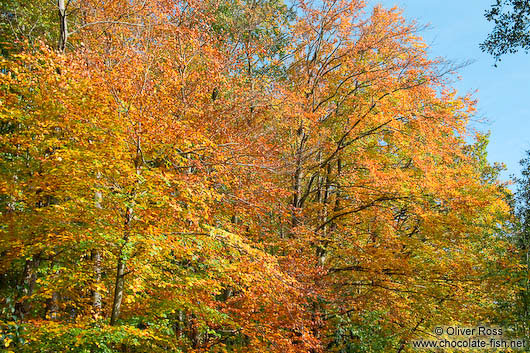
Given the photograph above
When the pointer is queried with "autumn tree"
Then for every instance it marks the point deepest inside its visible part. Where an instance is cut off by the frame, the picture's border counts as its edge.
(384, 193)
(139, 205)
(240, 176)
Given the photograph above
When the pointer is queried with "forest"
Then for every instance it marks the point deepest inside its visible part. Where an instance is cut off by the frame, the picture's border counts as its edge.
(245, 176)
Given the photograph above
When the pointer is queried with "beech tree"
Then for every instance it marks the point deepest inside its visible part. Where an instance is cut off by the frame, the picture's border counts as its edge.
(240, 176)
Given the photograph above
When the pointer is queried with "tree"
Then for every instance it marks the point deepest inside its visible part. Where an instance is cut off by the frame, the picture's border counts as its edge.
(510, 33)
(514, 311)
(383, 186)
(102, 176)
(26, 21)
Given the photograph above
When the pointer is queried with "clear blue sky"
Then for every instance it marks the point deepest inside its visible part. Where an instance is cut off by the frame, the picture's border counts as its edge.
(457, 27)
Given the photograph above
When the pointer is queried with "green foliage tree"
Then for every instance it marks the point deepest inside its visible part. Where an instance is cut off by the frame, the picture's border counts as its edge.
(29, 21)
(520, 307)
(511, 32)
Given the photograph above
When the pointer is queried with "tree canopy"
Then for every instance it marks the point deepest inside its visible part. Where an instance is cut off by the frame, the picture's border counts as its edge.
(239, 176)
(511, 31)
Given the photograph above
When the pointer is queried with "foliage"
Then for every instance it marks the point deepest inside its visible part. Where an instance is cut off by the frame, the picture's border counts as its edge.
(510, 33)
(29, 21)
(241, 176)
(516, 310)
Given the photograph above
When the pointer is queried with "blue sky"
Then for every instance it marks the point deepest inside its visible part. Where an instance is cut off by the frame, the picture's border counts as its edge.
(456, 30)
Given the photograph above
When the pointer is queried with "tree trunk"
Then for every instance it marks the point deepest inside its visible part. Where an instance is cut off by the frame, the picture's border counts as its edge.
(120, 273)
(96, 295)
(118, 291)
(53, 306)
(96, 263)
(29, 278)
(63, 34)
(120, 268)
(297, 176)
(321, 248)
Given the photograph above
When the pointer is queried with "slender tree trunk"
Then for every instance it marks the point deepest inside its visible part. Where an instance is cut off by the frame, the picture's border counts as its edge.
(63, 34)
(180, 324)
(96, 295)
(297, 175)
(118, 291)
(336, 208)
(120, 272)
(96, 263)
(120, 268)
(251, 78)
(53, 306)
(196, 334)
(321, 249)
(29, 278)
